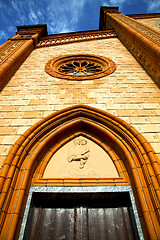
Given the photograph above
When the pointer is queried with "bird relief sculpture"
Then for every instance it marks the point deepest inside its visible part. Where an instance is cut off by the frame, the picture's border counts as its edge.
(79, 152)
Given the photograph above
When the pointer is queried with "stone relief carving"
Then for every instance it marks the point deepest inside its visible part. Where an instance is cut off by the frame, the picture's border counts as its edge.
(80, 158)
(79, 151)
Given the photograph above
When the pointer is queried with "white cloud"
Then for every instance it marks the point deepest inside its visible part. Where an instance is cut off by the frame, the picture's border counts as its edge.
(40, 14)
(10, 28)
(153, 5)
(3, 34)
(65, 16)
(104, 3)
(115, 3)
(33, 17)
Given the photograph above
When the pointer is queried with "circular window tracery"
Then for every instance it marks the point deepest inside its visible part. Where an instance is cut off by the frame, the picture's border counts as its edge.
(80, 67)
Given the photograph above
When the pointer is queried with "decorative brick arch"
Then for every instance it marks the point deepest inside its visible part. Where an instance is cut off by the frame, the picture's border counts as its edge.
(127, 148)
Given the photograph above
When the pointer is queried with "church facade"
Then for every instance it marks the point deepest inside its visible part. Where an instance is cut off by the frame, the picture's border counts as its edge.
(80, 131)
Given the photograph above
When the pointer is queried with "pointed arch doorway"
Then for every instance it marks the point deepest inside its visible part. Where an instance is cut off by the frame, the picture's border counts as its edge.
(131, 154)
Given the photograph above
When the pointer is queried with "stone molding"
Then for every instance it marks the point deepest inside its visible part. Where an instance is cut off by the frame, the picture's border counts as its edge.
(30, 154)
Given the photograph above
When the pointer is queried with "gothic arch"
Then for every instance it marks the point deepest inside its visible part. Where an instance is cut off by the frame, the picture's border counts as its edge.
(128, 149)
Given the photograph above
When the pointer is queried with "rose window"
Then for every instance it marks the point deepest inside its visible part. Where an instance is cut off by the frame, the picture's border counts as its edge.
(80, 67)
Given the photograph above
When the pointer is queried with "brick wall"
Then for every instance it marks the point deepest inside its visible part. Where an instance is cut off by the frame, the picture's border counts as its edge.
(32, 94)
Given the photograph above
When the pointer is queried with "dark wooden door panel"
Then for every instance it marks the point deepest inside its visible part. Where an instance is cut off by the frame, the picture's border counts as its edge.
(80, 223)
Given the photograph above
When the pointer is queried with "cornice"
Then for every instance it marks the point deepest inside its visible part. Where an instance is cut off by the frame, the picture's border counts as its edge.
(60, 39)
(41, 29)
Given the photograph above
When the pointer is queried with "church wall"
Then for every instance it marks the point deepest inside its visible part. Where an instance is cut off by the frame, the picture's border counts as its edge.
(32, 94)
(151, 22)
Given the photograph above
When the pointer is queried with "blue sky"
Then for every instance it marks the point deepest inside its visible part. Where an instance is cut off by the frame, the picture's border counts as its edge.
(63, 15)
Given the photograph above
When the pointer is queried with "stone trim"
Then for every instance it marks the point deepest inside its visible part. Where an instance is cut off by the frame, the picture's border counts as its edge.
(19, 168)
(21, 37)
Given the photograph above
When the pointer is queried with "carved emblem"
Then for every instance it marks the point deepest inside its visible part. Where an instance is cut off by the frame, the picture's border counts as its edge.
(79, 151)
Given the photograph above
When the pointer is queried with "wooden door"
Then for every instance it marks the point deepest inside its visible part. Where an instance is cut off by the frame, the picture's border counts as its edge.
(79, 219)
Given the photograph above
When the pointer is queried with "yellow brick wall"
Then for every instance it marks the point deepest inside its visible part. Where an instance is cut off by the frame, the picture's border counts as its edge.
(32, 94)
(151, 22)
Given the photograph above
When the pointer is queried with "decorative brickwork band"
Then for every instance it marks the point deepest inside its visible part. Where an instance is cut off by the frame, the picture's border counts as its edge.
(6, 52)
(132, 155)
(75, 37)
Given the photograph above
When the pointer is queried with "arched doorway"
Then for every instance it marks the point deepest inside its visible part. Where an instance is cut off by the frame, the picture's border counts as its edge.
(130, 152)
